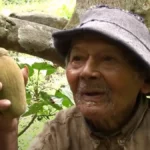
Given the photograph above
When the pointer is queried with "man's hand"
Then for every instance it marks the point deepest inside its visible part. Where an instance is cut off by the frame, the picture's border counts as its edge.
(8, 124)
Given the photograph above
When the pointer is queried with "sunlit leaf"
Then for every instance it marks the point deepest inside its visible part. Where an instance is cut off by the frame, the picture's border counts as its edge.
(28, 97)
(66, 101)
(35, 108)
(43, 66)
(48, 98)
(51, 70)
(67, 92)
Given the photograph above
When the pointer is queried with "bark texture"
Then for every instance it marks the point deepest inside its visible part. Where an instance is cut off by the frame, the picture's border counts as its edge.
(142, 7)
(41, 18)
(28, 37)
(26, 33)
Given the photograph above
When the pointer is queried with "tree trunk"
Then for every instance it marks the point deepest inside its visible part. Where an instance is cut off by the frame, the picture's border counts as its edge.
(142, 7)
(35, 38)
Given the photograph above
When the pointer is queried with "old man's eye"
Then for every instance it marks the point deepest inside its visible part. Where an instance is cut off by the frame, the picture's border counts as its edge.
(76, 58)
(76, 61)
(108, 58)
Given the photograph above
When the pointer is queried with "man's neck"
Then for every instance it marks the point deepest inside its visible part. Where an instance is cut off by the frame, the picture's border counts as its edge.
(112, 126)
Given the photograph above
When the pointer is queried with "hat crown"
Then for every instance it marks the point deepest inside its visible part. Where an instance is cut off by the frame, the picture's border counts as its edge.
(115, 24)
(124, 19)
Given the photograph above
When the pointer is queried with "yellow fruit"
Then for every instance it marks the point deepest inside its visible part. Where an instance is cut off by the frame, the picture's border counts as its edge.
(13, 85)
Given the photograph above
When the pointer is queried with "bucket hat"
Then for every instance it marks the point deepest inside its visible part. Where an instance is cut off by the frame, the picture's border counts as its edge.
(119, 25)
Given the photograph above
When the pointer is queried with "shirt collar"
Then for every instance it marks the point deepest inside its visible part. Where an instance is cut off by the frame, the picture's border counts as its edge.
(137, 118)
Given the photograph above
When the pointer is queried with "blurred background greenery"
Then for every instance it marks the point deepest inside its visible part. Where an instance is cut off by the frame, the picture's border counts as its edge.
(47, 90)
(61, 8)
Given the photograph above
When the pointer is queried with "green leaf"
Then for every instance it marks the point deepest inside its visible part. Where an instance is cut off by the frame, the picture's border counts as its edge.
(48, 99)
(67, 92)
(51, 71)
(45, 107)
(35, 108)
(66, 101)
(43, 66)
(28, 97)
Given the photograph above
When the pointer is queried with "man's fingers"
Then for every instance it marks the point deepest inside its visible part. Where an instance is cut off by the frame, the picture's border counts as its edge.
(25, 73)
(4, 104)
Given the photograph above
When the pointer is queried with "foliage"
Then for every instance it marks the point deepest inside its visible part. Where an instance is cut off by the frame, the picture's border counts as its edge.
(7, 2)
(47, 92)
(27, 137)
(64, 8)
(44, 100)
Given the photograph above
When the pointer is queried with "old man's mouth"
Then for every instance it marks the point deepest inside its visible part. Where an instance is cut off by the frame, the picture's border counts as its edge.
(94, 96)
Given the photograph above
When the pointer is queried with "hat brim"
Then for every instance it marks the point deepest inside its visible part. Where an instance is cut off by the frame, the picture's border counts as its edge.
(62, 39)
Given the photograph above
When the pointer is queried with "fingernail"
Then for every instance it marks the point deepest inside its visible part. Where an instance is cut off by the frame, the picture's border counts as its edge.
(8, 102)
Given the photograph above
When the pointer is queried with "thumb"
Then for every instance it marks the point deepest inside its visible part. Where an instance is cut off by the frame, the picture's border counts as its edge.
(4, 104)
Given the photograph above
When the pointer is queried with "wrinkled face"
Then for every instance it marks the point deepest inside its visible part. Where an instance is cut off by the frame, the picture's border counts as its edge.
(104, 85)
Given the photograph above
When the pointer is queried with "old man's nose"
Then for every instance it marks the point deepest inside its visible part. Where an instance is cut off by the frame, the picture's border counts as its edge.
(90, 70)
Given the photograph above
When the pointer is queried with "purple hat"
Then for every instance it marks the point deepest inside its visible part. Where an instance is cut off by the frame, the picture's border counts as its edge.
(116, 24)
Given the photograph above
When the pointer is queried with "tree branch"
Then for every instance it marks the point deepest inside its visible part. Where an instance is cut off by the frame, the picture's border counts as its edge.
(28, 37)
(32, 120)
(41, 18)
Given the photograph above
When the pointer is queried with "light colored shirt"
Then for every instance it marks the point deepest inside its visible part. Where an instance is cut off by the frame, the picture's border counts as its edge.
(69, 131)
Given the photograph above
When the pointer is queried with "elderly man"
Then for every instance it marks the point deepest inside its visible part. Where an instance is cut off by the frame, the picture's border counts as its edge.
(107, 66)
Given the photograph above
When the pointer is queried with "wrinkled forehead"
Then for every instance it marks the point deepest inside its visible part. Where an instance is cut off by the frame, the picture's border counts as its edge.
(97, 39)
(86, 39)
(129, 55)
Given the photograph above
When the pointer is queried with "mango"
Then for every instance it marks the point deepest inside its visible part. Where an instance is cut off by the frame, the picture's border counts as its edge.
(13, 85)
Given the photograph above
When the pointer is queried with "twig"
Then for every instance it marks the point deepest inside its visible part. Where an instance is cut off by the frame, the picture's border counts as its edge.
(32, 120)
